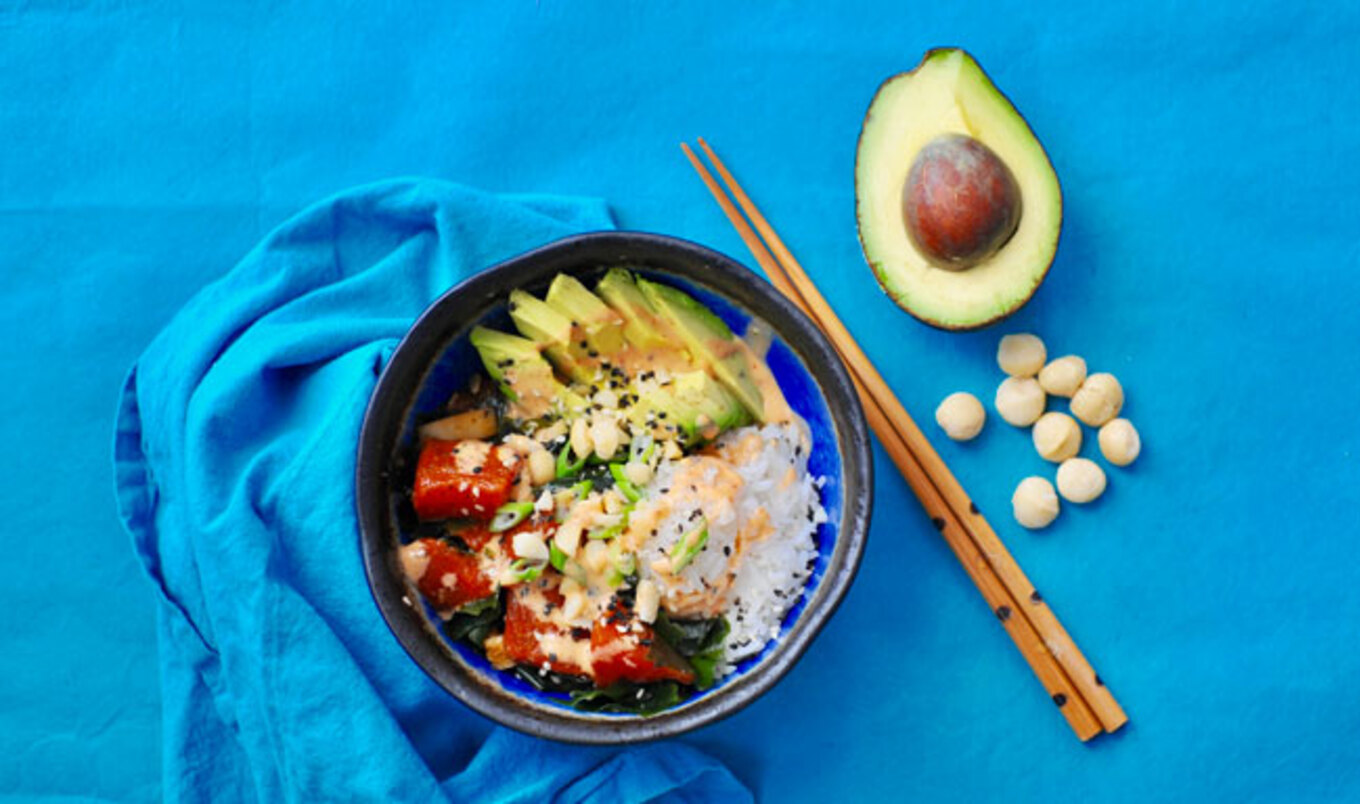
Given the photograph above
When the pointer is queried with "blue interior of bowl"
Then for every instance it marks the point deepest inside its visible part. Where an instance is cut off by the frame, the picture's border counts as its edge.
(459, 362)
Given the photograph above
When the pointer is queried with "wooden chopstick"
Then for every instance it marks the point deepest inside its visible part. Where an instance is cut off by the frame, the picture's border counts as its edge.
(1036, 609)
(991, 567)
(1050, 674)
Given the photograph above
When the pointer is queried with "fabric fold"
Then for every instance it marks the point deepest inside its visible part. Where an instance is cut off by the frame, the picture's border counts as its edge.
(234, 452)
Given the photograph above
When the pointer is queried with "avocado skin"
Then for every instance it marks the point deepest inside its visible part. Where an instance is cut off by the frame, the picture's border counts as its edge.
(873, 264)
(696, 325)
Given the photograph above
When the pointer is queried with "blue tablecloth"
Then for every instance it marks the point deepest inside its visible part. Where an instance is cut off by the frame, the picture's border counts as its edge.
(1209, 259)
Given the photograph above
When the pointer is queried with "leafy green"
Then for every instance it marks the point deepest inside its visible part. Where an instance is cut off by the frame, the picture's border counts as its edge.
(476, 621)
(552, 681)
(699, 641)
(623, 696)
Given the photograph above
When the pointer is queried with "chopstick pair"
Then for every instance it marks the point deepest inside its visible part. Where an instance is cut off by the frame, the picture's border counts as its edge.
(1079, 693)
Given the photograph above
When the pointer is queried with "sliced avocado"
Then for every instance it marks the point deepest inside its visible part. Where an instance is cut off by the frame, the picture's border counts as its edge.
(524, 377)
(642, 326)
(592, 319)
(655, 344)
(709, 340)
(718, 408)
(958, 206)
(696, 405)
(552, 330)
(660, 410)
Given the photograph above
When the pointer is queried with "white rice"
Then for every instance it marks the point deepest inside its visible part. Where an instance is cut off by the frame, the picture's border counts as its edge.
(755, 586)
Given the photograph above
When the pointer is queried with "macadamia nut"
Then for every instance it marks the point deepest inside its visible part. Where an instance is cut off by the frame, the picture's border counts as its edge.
(1057, 436)
(1034, 503)
(1062, 377)
(961, 416)
(1020, 400)
(1099, 399)
(1119, 442)
(1021, 355)
(1080, 480)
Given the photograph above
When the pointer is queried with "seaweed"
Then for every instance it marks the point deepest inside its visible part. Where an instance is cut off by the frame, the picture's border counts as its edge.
(699, 641)
(630, 698)
(476, 621)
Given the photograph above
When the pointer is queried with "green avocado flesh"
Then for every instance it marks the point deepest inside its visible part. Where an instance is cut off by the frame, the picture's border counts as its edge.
(709, 341)
(589, 337)
(524, 377)
(642, 326)
(949, 94)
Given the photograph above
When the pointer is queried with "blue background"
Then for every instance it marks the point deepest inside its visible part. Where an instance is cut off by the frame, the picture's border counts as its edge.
(1209, 258)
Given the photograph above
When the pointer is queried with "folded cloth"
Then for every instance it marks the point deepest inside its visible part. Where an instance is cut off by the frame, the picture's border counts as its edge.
(234, 455)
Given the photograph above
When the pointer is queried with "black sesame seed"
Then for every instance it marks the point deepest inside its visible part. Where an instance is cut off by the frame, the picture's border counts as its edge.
(579, 634)
(1099, 683)
(661, 414)
(1003, 613)
(1035, 597)
(938, 522)
(592, 353)
(727, 549)
(476, 470)
(552, 657)
(972, 507)
(584, 345)
(1060, 699)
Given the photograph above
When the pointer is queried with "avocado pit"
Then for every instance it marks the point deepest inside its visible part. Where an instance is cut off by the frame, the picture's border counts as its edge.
(960, 203)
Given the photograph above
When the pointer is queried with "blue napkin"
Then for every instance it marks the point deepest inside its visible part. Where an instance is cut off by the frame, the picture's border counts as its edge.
(235, 461)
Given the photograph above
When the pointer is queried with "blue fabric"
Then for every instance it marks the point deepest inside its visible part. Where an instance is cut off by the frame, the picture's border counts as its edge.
(235, 465)
(1209, 257)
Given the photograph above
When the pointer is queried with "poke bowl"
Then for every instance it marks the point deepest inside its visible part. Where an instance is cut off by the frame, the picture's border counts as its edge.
(611, 489)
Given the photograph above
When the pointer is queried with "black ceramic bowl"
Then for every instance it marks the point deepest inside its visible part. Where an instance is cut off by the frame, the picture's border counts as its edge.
(434, 359)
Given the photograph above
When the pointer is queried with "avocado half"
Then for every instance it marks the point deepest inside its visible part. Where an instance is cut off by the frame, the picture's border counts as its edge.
(945, 96)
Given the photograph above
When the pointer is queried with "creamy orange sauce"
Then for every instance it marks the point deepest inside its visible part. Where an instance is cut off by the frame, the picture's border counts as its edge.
(755, 529)
(710, 602)
(471, 455)
(566, 649)
(415, 559)
(777, 409)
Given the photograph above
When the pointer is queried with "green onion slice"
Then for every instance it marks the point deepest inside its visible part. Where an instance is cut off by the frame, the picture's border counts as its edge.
(525, 572)
(565, 466)
(608, 533)
(642, 448)
(510, 515)
(623, 484)
(556, 557)
(682, 553)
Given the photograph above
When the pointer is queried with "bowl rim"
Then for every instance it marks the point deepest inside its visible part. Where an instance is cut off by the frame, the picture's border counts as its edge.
(432, 333)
